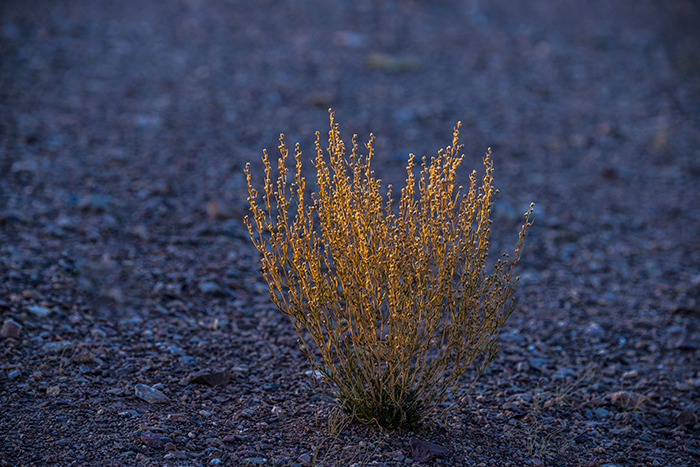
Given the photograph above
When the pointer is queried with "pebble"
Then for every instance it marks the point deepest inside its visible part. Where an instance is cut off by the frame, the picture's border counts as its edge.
(234, 438)
(95, 203)
(39, 311)
(152, 440)
(686, 345)
(14, 374)
(538, 363)
(150, 395)
(218, 378)
(11, 328)
(177, 351)
(177, 417)
(305, 459)
(563, 372)
(215, 442)
(56, 347)
(600, 412)
(249, 453)
(688, 419)
(12, 215)
(188, 361)
(257, 461)
(424, 451)
(209, 288)
(280, 460)
(594, 330)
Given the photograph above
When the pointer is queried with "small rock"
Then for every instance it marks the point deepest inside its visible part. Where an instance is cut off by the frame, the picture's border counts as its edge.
(684, 387)
(56, 347)
(280, 461)
(305, 459)
(11, 328)
(423, 451)
(209, 288)
(53, 391)
(257, 461)
(14, 374)
(564, 372)
(688, 419)
(10, 215)
(594, 330)
(26, 165)
(215, 442)
(150, 395)
(39, 311)
(538, 363)
(601, 412)
(152, 440)
(95, 203)
(177, 417)
(115, 391)
(686, 345)
(250, 453)
(219, 378)
(32, 294)
(247, 413)
(188, 361)
(234, 438)
(177, 351)
(239, 370)
(278, 412)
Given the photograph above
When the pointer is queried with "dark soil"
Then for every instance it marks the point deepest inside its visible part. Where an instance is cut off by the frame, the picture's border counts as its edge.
(124, 130)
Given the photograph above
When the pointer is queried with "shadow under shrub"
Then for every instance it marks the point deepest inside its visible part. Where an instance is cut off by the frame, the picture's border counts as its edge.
(396, 299)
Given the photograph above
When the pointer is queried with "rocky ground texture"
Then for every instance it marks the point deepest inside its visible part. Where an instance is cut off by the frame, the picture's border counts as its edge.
(136, 329)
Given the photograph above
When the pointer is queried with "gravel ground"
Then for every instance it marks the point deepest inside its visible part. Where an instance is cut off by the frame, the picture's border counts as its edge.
(125, 267)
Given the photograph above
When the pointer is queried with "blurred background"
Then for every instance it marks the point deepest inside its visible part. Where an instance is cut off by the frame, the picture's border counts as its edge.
(126, 122)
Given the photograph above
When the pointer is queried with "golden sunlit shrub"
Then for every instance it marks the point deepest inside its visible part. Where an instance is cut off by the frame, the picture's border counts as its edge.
(396, 299)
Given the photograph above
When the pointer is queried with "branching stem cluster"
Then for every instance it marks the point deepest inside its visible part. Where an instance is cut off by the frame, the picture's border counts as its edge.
(396, 299)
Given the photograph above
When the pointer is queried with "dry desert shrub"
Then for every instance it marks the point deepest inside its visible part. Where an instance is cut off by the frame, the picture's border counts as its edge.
(397, 300)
